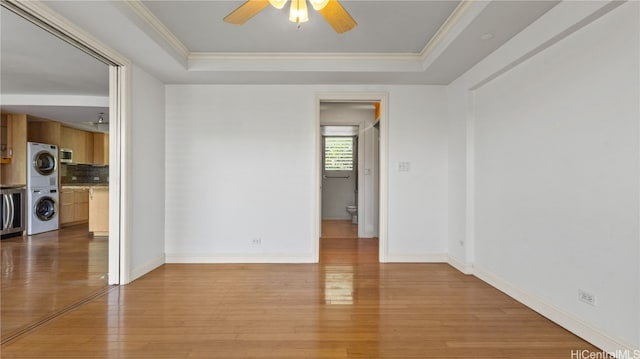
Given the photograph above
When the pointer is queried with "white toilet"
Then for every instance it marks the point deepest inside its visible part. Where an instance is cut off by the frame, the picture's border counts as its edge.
(353, 211)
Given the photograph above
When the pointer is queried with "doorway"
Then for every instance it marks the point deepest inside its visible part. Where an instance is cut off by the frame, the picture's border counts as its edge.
(352, 167)
(117, 264)
(340, 172)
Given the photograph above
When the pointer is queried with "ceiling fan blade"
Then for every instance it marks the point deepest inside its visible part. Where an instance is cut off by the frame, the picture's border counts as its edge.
(338, 17)
(246, 11)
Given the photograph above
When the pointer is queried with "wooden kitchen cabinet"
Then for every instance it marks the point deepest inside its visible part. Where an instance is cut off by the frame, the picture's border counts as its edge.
(14, 158)
(6, 142)
(99, 211)
(43, 131)
(66, 206)
(101, 148)
(81, 205)
(74, 206)
(79, 141)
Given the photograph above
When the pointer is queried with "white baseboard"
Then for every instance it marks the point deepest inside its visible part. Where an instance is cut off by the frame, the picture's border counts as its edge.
(564, 319)
(433, 257)
(147, 267)
(239, 258)
(338, 218)
(466, 268)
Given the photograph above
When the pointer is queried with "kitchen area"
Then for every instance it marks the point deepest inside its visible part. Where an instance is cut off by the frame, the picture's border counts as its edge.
(82, 163)
(84, 179)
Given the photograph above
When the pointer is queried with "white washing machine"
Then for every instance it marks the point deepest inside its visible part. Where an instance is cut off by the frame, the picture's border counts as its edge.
(42, 166)
(43, 210)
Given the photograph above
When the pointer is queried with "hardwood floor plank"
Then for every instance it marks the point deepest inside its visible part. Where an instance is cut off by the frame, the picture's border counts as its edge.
(46, 273)
(346, 306)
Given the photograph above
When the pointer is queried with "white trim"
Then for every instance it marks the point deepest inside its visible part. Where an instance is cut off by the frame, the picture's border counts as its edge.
(154, 28)
(119, 77)
(433, 257)
(55, 100)
(237, 258)
(460, 18)
(465, 268)
(293, 62)
(141, 10)
(338, 218)
(119, 171)
(147, 267)
(470, 181)
(383, 98)
(553, 313)
(115, 245)
(383, 180)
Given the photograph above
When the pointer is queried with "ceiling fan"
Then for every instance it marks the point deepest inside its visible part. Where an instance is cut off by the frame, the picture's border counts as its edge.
(331, 10)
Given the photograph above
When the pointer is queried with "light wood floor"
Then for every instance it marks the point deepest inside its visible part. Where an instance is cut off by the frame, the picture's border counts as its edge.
(339, 229)
(347, 306)
(48, 272)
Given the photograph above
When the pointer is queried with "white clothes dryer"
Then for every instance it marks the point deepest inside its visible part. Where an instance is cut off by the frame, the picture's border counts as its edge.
(42, 213)
(42, 165)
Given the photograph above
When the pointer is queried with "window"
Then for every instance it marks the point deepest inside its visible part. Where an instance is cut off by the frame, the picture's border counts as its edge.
(338, 153)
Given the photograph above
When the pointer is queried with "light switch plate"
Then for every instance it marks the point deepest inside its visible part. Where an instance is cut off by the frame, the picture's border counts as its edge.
(404, 166)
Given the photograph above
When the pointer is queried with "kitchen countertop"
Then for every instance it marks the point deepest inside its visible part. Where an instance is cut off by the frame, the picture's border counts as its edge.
(12, 186)
(84, 185)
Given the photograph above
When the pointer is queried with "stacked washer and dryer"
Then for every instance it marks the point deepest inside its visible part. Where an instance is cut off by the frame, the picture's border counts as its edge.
(42, 188)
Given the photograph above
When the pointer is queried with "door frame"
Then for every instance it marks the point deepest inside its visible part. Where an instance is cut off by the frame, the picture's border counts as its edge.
(119, 125)
(383, 188)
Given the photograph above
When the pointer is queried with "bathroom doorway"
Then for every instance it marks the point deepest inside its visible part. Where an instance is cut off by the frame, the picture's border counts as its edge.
(339, 172)
(350, 169)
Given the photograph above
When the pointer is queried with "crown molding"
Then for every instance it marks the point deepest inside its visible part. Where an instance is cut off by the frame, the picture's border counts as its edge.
(446, 27)
(457, 21)
(158, 28)
(462, 15)
(292, 62)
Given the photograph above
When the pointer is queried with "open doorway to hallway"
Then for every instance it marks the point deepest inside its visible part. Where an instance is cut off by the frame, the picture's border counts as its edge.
(350, 169)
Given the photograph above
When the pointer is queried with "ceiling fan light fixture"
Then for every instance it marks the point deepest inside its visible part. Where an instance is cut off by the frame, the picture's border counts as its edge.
(278, 4)
(298, 12)
(319, 4)
(331, 10)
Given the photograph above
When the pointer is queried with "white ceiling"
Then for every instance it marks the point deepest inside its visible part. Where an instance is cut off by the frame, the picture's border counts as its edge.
(395, 42)
(383, 27)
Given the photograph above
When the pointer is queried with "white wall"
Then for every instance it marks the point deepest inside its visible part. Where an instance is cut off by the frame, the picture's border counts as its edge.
(556, 142)
(227, 147)
(417, 199)
(147, 172)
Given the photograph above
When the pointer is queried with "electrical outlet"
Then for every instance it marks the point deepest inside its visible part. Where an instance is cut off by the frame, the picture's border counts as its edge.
(586, 297)
(256, 241)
